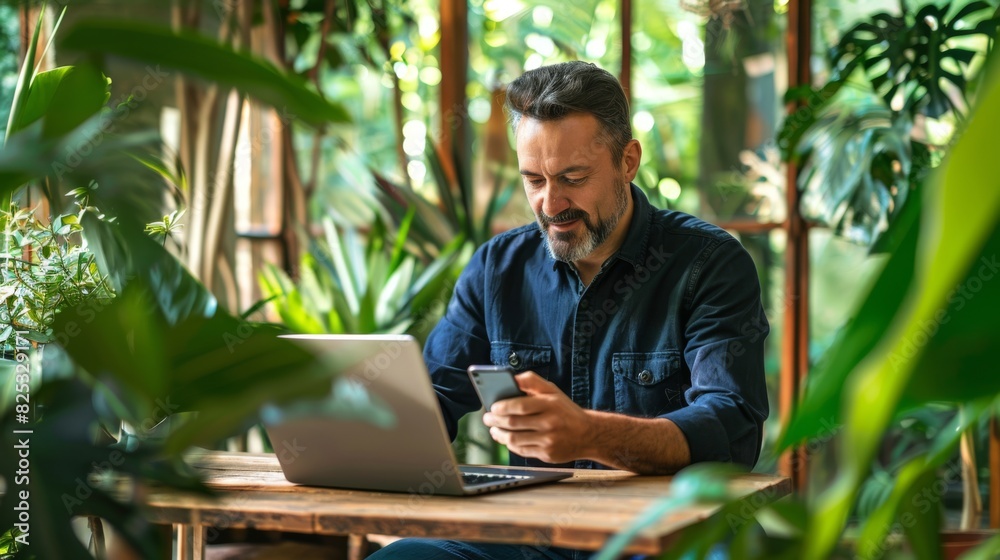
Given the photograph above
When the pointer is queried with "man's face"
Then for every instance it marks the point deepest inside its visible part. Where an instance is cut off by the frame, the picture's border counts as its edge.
(577, 194)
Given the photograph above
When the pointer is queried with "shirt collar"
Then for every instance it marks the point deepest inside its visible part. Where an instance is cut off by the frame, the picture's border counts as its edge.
(633, 247)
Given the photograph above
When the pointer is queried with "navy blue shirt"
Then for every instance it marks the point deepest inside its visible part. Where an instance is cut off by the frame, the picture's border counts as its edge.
(672, 326)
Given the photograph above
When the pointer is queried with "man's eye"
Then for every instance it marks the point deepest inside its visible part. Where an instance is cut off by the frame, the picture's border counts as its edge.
(534, 181)
(572, 181)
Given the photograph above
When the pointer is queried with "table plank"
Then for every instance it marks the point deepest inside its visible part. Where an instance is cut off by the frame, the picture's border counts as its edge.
(579, 512)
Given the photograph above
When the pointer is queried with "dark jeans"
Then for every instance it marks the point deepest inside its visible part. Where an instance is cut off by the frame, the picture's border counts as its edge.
(430, 549)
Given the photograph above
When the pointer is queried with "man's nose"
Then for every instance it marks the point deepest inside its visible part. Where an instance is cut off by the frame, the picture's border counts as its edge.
(553, 201)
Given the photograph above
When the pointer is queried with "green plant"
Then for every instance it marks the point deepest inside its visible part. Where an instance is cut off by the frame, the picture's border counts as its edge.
(45, 269)
(450, 211)
(9, 544)
(166, 228)
(348, 285)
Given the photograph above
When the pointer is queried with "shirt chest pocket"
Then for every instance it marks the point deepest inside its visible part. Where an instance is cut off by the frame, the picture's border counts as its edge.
(648, 384)
(522, 357)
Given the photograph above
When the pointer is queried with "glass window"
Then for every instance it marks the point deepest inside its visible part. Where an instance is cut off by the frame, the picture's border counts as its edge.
(706, 108)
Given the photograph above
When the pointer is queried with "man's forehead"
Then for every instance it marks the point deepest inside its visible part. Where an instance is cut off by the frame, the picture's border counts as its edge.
(575, 140)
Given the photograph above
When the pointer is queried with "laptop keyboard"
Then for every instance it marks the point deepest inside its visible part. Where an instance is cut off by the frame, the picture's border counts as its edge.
(472, 479)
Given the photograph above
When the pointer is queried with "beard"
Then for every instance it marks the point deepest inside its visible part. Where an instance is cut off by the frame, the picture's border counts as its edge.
(570, 246)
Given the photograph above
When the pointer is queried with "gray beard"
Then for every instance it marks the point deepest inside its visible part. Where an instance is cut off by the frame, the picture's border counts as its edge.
(569, 247)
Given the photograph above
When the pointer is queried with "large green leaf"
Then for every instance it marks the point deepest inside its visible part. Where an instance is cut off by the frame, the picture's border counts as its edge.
(856, 175)
(821, 405)
(166, 50)
(989, 550)
(703, 483)
(956, 346)
(65, 98)
(962, 210)
(29, 155)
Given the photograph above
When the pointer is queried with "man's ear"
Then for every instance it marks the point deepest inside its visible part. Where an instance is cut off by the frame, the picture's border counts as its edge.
(631, 158)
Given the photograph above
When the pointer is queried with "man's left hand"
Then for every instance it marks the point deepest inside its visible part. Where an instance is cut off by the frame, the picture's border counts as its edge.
(545, 424)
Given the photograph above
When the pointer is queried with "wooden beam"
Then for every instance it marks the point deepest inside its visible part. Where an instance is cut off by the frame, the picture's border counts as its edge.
(750, 226)
(625, 77)
(795, 339)
(454, 140)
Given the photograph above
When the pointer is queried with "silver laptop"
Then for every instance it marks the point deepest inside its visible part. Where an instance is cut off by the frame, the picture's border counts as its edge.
(404, 447)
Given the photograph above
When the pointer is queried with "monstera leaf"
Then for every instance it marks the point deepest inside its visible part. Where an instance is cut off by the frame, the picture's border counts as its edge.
(913, 55)
(856, 175)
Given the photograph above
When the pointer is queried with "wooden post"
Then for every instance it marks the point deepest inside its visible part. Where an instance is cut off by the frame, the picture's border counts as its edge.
(994, 473)
(795, 339)
(625, 77)
(454, 140)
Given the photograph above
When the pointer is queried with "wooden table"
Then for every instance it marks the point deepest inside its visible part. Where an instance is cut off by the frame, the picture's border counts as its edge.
(580, 512)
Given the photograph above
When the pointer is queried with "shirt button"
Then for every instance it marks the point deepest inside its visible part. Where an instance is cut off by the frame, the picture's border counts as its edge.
(514, 360)
(584, 304)
(645, 376)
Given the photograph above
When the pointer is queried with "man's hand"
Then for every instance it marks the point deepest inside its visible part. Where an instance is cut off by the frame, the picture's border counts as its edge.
(545, 424)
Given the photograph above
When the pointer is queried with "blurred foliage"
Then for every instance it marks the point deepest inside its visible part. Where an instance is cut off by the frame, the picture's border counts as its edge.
(163, 345)
(203, 57)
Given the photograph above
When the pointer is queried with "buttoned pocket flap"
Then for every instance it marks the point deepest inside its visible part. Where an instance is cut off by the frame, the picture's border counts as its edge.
(646, 368)
(521, 357)
(647, 384)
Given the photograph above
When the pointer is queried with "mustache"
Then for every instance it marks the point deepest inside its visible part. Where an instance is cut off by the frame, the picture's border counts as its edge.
(566, 215)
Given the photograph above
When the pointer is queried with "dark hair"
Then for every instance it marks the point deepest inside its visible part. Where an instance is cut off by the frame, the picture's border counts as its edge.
(554, 92)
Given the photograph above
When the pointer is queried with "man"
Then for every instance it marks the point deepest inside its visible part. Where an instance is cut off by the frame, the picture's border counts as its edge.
(638, 332)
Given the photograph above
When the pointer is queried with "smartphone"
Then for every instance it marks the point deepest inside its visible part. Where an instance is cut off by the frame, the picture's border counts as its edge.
(494, 383)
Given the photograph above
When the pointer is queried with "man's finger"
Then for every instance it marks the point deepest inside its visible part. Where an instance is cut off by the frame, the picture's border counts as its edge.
(518, 406)
(533, 384)
(500, 435)
(513, 422)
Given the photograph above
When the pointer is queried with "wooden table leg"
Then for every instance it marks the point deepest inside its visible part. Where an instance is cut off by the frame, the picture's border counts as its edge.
(357, 547)
(189, 542)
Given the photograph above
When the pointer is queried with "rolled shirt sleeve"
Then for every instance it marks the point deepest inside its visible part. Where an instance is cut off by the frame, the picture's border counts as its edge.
(724, 332)
(457, 341)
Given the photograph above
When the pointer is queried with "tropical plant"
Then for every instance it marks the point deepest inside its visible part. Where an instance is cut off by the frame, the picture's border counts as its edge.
(450, 210)
(347, 285)
(860, 139)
